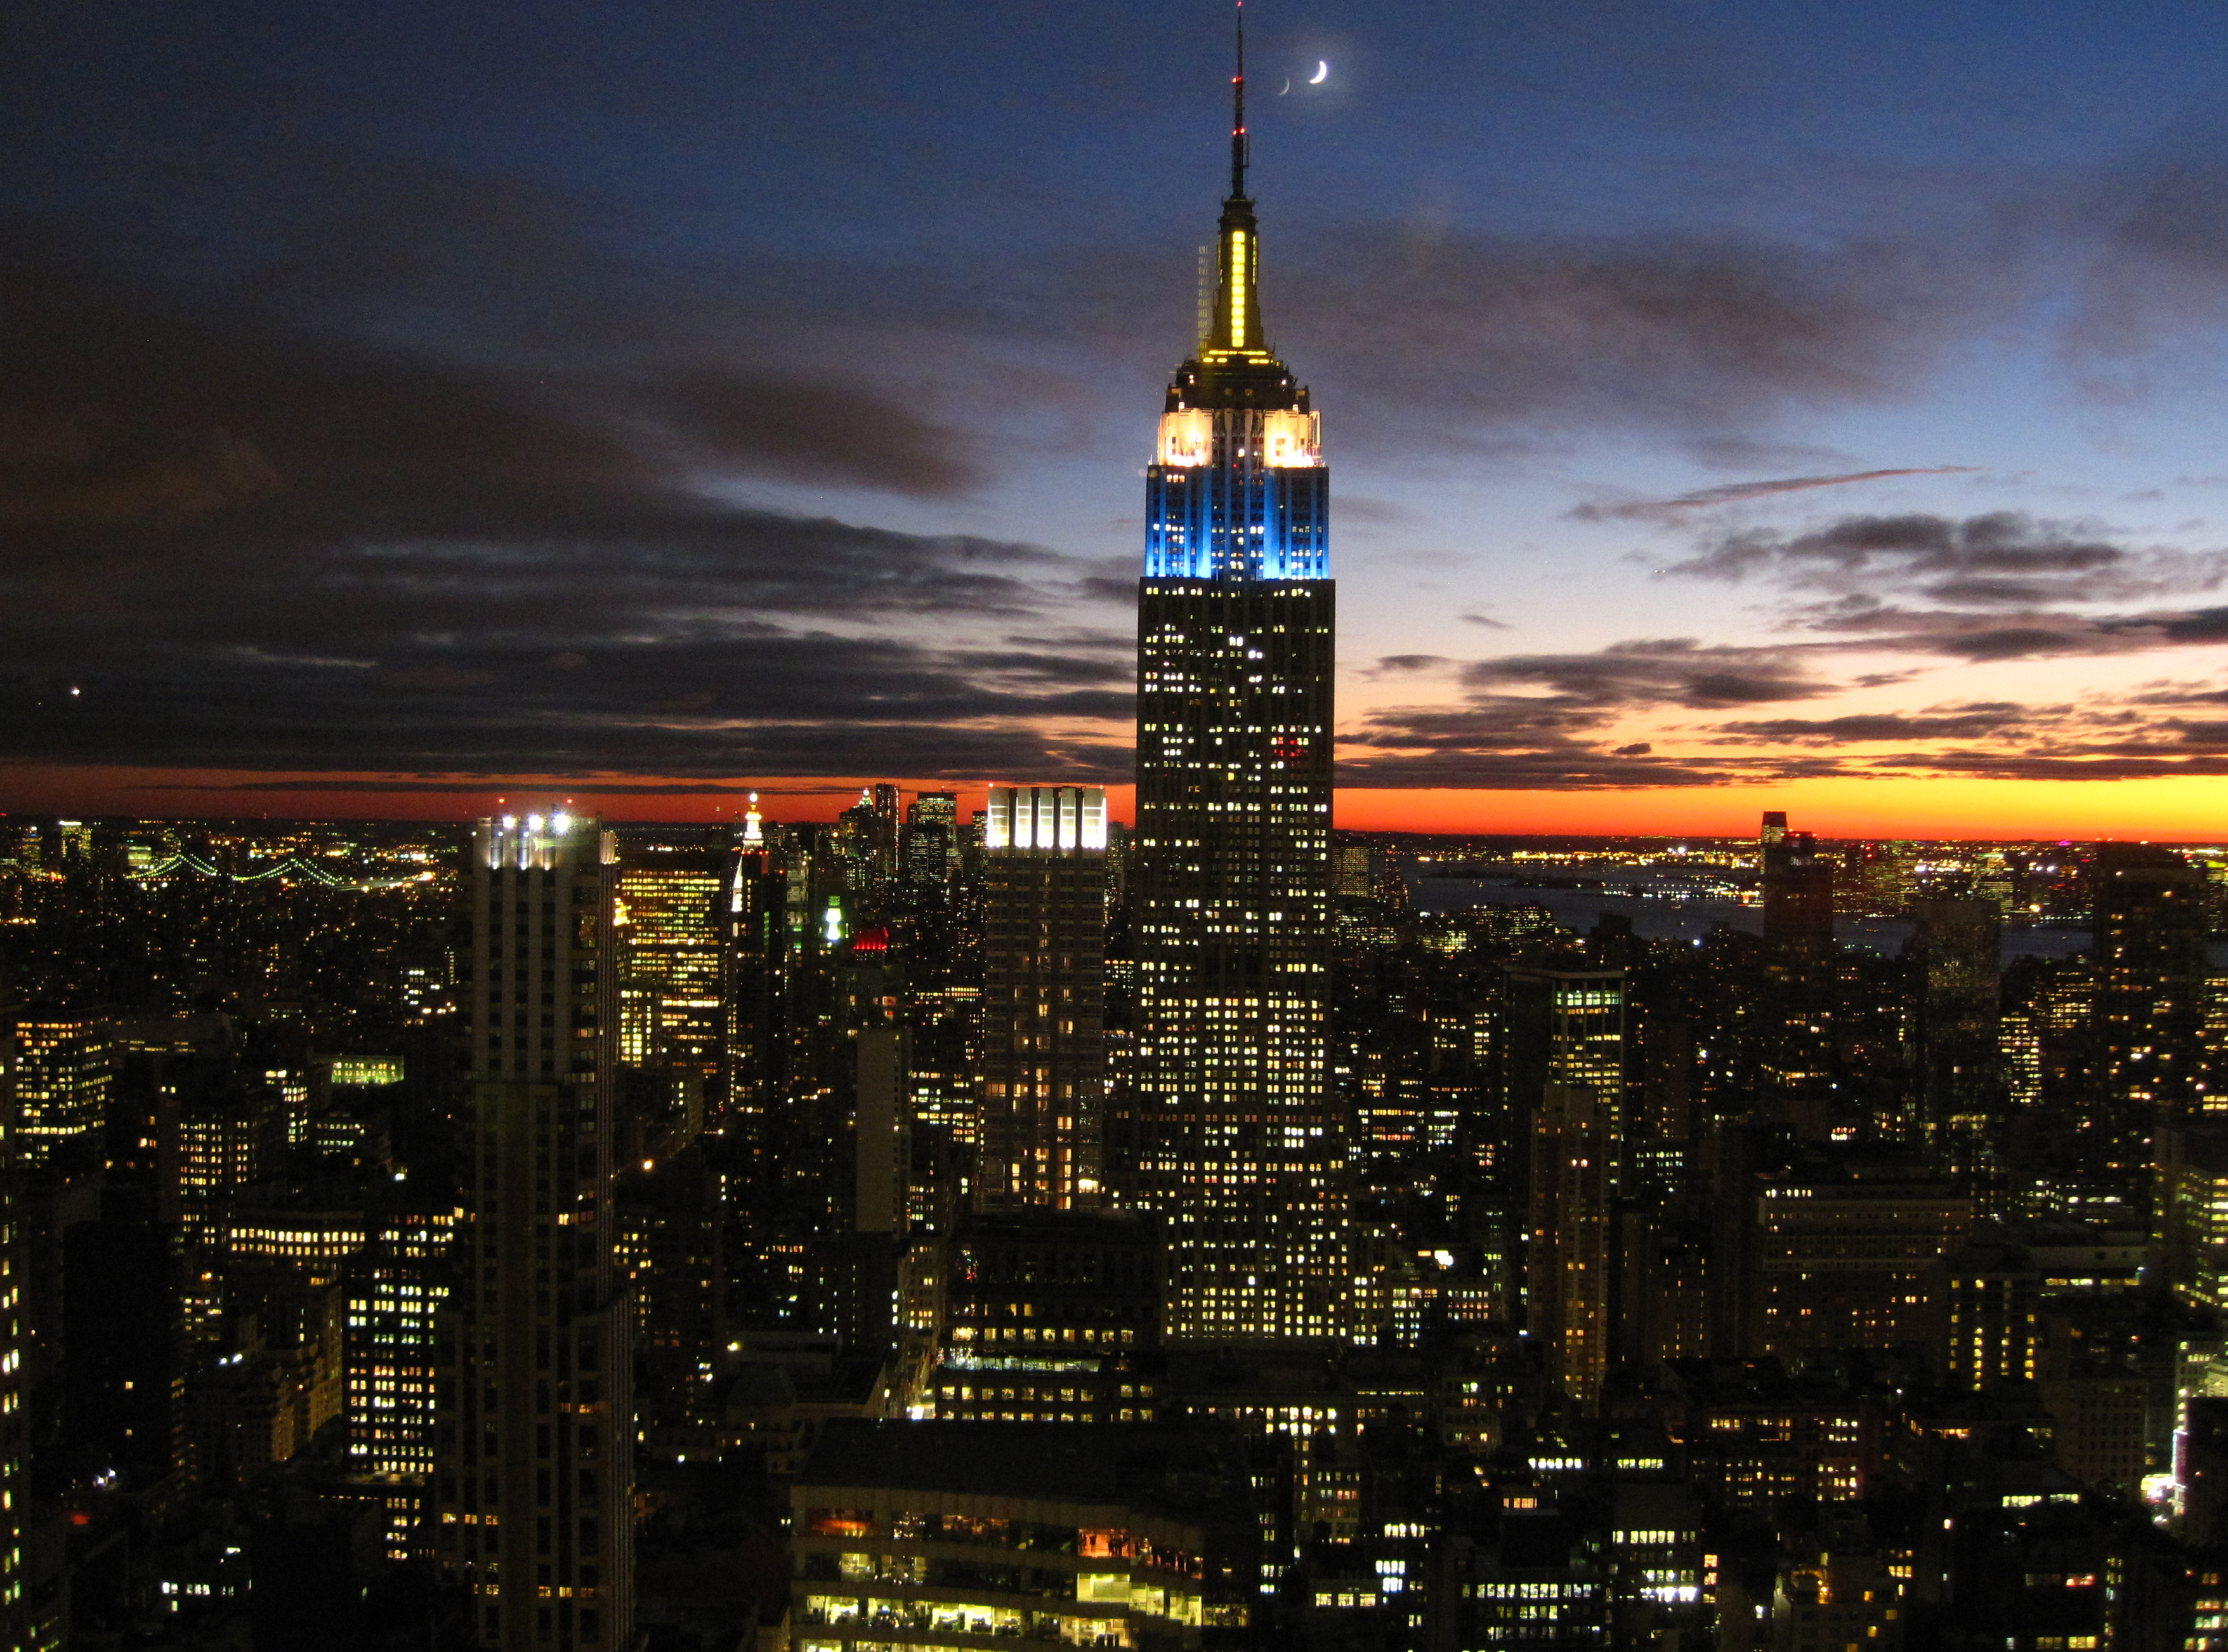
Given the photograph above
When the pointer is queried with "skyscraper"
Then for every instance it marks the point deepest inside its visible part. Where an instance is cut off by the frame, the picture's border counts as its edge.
(1044, 1059)
(670, 1013)
(932, 844)
(1798, 891)
(1563, 1084)
(1954, 959)
(2149, 951)
(532, 1450)
(1231, 1128)
(1797, 1054)
(755, 937)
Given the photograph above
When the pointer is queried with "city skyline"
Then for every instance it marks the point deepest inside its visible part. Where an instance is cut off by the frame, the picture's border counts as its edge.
(644, 436)
(1760, 1181)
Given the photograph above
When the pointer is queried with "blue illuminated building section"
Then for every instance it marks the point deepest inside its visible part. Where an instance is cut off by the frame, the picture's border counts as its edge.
(1237, 520)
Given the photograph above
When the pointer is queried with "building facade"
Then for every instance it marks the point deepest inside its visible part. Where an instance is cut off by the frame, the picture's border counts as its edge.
(1053, 1316)
(1957, 1054)
(962, 1534)
(533, 1445)
(2150, 926)
(1229, 1126)
(1845, 1255)
(396, 1288)
(62, 1071)
(1564, 1074)
(1043, 1054)
(671, 1005)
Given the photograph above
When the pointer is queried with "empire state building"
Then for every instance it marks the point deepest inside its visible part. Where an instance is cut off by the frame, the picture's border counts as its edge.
(1233, 1131)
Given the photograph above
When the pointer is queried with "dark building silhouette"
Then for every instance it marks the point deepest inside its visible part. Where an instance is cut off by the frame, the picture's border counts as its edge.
(124, 1343)
(1796, 1036)
(533, 1488)
(1798, 890)
(2149, 929)
(1844, 1251)
(1956, 1080)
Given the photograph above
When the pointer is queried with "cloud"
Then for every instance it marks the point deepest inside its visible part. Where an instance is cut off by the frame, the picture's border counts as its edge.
(1916, 549)
(128, 398)
(278, 514)
(1863, 728)
(1561, 738)
(253, 544)
(1669, 670)
(1736, 492)
(2040, 765)
(808, 430)
(1734, 452)
(1505, 743)
(2002, 586)
(1354, 509)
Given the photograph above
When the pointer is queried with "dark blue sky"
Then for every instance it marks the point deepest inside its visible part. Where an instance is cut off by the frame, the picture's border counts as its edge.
(417, 311)
(906, 129)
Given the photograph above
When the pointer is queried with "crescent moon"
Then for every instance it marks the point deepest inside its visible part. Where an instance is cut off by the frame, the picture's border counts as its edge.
(1287, 87)
(1322, 74)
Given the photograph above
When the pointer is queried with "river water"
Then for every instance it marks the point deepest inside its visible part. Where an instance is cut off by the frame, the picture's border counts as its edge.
(1666, 913)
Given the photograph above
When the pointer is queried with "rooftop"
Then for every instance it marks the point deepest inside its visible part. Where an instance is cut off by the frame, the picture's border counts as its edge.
(1167, 1469)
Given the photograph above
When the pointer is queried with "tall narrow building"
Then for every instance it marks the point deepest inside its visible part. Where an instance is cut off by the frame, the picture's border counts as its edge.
(1798, 893)
(1956, 1049)
(2149, 951)
(1044, 971)
(1230, 1126)
(1563, 1076)
(532, 1450)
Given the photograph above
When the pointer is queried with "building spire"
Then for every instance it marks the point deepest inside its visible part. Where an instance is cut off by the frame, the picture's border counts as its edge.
(1237, 328)
(1238, 150)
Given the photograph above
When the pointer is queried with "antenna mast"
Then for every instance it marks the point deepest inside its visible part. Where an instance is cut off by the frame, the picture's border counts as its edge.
(1238, 153)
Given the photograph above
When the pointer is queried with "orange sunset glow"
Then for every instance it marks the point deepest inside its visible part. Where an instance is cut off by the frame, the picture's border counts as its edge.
(2190, 808)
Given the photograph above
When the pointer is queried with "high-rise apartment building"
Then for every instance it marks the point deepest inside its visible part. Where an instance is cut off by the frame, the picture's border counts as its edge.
(1231, 1129)
(1796, 1041)
(888, 831)
(231, 1133)
(2192, 1204)
(1043, 1058)
(536, 1432)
